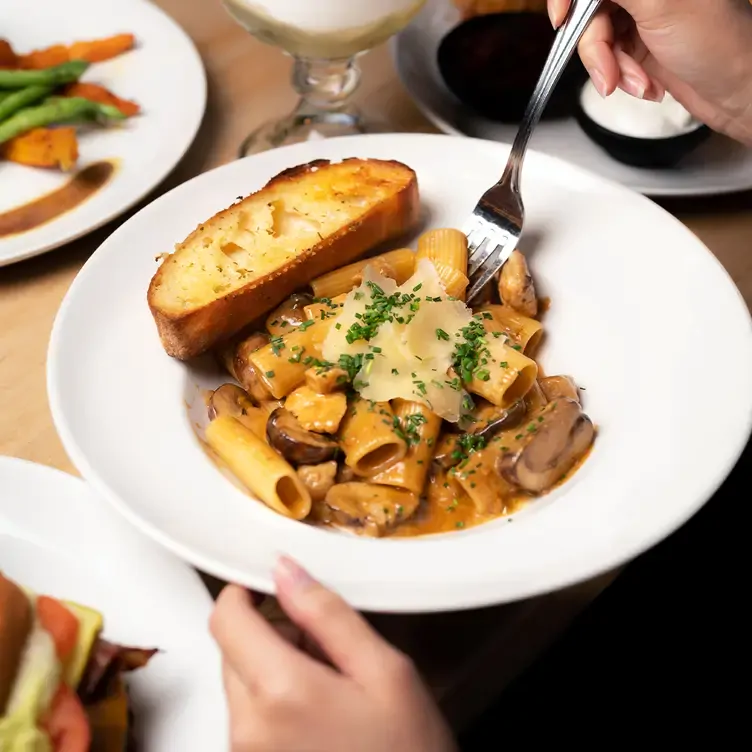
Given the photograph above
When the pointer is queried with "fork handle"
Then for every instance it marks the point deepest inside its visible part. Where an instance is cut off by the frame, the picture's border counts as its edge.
(580, 14)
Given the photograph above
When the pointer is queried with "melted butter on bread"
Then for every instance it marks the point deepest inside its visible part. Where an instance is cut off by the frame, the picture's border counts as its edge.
(246, 259)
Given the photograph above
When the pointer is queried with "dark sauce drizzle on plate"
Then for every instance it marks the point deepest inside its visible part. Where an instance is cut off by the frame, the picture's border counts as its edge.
(78, 189)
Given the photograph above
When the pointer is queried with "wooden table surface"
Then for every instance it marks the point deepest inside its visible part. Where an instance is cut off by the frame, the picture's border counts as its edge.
(467, 657)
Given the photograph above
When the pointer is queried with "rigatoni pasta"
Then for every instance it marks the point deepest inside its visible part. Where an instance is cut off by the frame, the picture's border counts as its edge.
(368, 438)
(397, 265)
(453, 280)
(522, 330)
(283, 362)
(419, 427)
(457, 429)
(325, 308)
(506, 375)
(445, 247)
(476, 478)
(259, 467)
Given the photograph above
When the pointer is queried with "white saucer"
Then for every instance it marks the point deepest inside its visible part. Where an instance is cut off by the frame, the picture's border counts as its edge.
(58, 538)
(163, 74)
(718, 166)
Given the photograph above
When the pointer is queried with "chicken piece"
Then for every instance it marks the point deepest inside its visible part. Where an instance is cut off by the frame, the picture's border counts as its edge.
(326, 380)
(370, 509)
(317, 412)
(318, 479)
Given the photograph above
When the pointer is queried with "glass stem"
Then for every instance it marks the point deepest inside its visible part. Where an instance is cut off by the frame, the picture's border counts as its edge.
(325, 86)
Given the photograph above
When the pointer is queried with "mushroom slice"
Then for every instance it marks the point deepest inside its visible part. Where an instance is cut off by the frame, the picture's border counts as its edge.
(231, 400)
(345, 474)
(555, 387)
(237, 360)
(294, 443)
(318, 479)
(553, 442)
(448, 453)
(535, 399)
(501, 419)
(516, 288)
(288, 315)
(370, 509)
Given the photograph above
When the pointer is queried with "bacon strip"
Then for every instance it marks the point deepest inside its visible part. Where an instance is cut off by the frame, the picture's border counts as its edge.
(106, 662)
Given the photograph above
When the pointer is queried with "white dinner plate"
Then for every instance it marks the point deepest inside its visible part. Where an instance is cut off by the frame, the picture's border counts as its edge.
(163, 74)
(58, 538)
(720, 165)
(642, 315)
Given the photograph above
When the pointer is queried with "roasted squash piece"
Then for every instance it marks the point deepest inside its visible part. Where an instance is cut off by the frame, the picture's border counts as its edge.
(43, 147)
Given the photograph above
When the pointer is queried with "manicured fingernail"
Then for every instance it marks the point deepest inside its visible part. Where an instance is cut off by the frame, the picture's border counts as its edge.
(292, 574)
(599, 82)
(551, 15)
(657, 96)
(634, 86)
(656, 92)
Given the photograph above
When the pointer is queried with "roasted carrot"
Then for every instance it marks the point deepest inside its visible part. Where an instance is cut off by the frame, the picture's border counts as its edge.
(93, 51)
(97, 93)
(8, 58)
(43, 147)
(46, 58)
(101, 49)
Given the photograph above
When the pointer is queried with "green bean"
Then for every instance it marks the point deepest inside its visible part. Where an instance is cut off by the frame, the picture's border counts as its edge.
(64, 73)
(95, 111)
(55, 111)
(15, 100)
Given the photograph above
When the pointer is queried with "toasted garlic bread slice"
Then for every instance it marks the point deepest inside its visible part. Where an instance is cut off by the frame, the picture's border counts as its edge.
(247, 259)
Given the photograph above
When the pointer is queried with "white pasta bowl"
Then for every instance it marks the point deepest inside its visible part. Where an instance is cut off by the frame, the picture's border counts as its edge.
(641, 313)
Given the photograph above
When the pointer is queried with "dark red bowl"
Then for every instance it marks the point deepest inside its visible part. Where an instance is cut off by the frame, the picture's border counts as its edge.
(491, 64)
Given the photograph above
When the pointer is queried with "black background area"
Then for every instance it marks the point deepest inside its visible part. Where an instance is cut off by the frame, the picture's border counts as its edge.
(661, 656)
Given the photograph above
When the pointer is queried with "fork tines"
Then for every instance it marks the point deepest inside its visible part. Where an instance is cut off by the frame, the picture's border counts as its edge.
(490, 242)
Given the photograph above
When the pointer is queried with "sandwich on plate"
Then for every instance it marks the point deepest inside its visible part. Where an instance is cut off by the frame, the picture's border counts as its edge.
(61, 685)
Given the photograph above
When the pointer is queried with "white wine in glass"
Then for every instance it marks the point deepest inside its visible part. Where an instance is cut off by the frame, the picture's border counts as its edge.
(324, 37)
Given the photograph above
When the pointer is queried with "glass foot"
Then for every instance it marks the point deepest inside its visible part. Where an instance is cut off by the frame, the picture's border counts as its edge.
(300, 127)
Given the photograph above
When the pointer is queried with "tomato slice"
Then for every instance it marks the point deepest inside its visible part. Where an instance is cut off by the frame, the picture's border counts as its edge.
(60, 623)
(67, 723)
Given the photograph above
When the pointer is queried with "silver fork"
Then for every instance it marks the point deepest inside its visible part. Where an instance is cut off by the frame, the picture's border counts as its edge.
(495, 226)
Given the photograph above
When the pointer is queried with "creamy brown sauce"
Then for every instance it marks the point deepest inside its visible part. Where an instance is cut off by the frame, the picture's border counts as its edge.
(439, 512)
(446, 515)
(78, 189)
(438, 516)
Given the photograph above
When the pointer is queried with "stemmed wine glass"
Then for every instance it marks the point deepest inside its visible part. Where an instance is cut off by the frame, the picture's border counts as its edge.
(324, 37)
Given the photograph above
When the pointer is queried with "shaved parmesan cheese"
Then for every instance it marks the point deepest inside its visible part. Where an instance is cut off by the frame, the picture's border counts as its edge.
(408, 351)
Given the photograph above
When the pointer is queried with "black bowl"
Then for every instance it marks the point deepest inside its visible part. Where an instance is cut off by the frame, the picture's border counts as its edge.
(491, 63)
(642, 152)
